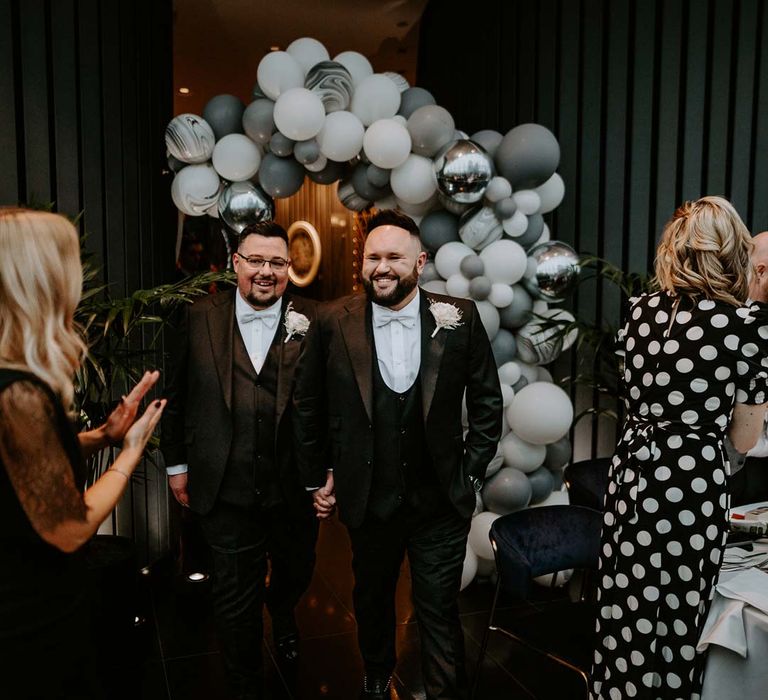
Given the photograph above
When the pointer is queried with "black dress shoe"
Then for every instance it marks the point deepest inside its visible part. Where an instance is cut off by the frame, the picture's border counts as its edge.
(376, 688)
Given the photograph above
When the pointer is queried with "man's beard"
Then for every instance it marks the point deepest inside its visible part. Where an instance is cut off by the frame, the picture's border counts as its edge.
(262, 302)
(403, 287)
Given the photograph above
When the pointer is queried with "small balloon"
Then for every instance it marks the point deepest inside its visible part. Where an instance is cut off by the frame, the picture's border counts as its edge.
(387, 143)
(505, 261)
(378, 177)
(457, 285)
(281, 145)
(434, 287)
(503, 346)
(414, 181)
(558, 453)
(259, 122)
(341, 137)
(189, 138)
(400, 82)
(478, 534)
(449, 256)
(516, 225)
(244, 203)
(527, 201)
(375, 97)
(509, 373)
(472, 266)
(359, 66)
(431, 127)
(480, 288)
(328, 173)
(489, 140)
(280, 177)
(307, 152)
(540, 413)
(350, 198)
(429, 273)
(551, 193)
(489, 315)
(463, 170)
(541, 484)
(501, 295)
(506, 492)
(299, 114)
(557, 271)
(505, 208)
(414, 98)
(438, 228)
(518, 312)
(363, 185)
(528, 155)
(498, 189)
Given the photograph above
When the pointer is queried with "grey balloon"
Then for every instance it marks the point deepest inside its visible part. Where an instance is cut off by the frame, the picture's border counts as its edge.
(509, 490)
(329, 174)
(557, 480)
(438, 228)
(280, 177)
(480, 288)
(429, 273)
(472, 266)
(225, 115)
(557, 271)
(453, 207)
(532, 234)
(558, 454)
(281, 145)
(350, 198)
(257, 93)
(175, 164)
(244, 203)
(541, 482)
(528, 155)
(495, 464)
(488, 139)
(479, 227)
(431, 127)
(378, 177)
(412, 99)
(504, 347)
(520, 384)
(504, 208)
(363, 185)
(518, 313)
(332, 83)
(259, 121)
(306, 151)
(463, 171)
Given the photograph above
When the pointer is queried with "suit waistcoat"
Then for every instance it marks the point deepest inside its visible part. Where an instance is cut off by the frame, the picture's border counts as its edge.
(251, 472)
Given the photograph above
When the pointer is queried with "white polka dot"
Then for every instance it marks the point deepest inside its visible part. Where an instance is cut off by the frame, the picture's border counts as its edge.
(699, 485)
(687, 652)
(719, 320)
(638, 571)
(689, 417)
(672, 601)
(616, 612)
(607, 582)
(662, 378)
(742, 367)
(637, 313)
(692, 598)
(731, 341)
(627, 549)
(630, 689)
(712, 532)
(684, 365)
(636, 658)
(749, 350)
(626, 634)
(664, 579)
(675, 442)
(621, 666)
(699, 385)
(680, 627)
(666, 653)
(644, 537)
(657, 410)
(644, 626)
(661, 317)
(708, 452)
(674, 548)
(653, 347)
(722, 373)
(630, 344)
(643, 329)
(647, 379)
(637, 361)
(718, 476)
(655, 559)
(694, 333)
(697, 542)
(607, 549)
(671, 347)
(632, 603)
(622, 581)
(685, 573)
(686, 462)
(686, 518)
(706, 304)
(712, 403)
(675, 495)
(662, 473)
(708, 352)
(634, 392)
(653, 300)
(683, 317)
(663, 526)
(673, 680)
(676, 397)
(707, 508)
(650, 505)
(651, 593)
(610, 643)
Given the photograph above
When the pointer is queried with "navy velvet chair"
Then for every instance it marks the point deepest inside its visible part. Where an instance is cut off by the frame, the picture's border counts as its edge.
(532, 543)
(587, 482)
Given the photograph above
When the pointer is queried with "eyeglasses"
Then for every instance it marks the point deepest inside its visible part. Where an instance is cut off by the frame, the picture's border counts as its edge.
(258, 263)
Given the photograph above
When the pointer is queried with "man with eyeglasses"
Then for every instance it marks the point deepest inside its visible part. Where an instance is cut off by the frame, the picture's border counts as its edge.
(227, 442)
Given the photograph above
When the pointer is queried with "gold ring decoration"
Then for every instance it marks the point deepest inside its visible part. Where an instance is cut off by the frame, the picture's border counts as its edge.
(304, 250)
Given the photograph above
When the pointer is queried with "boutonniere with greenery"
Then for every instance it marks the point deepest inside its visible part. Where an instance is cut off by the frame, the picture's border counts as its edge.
(295, 323)
(446, 315)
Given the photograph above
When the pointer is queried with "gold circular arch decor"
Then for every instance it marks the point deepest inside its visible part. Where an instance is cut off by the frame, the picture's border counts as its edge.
(305, 251)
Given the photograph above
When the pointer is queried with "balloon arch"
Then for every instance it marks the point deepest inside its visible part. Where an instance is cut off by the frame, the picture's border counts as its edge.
(479, 203)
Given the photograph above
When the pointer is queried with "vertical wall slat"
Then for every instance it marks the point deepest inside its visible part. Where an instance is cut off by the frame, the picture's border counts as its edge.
(9, 181)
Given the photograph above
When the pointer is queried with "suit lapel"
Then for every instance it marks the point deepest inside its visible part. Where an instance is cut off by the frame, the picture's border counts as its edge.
(359, 341)
(287, 356)
(431, 353)
(221, 327)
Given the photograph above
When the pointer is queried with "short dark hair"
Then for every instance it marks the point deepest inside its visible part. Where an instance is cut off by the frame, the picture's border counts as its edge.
(392, 217)
(268, 229)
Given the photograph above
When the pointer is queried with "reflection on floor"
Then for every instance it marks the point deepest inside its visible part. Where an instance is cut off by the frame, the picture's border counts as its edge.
(174, 654)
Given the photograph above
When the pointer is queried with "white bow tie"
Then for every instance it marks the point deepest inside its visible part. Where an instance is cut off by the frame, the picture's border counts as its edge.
(385, 316)
(268, 318)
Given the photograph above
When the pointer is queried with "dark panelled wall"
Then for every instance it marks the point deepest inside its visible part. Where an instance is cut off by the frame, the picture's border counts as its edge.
(653, 102)
(85, 93)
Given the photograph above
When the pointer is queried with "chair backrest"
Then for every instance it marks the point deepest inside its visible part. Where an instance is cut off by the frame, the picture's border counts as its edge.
(587, 482)
(544, 540)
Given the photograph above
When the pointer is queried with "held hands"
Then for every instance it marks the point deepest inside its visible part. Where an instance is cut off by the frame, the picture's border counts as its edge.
(178, 484)
(122, 418)
(324, 498)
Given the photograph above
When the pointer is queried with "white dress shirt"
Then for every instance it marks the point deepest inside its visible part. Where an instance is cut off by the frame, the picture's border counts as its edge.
(257, 328)
(397, 335)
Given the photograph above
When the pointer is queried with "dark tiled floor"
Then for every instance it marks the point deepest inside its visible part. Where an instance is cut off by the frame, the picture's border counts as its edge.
(173, 655)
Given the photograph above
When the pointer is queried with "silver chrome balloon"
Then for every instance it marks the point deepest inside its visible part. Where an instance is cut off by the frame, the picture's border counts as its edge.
(244, 203)
(556, 272)
(463, 170)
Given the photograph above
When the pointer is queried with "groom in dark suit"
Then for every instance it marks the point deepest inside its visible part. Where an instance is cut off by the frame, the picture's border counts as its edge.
(380, 387)
(227, 443)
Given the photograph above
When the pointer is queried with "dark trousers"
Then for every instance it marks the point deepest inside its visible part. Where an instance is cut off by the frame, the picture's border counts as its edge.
(242, 541)
(750, 483)
(436, 546)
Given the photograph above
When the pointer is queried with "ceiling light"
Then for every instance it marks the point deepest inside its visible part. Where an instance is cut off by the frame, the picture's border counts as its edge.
(197, 577)
(274, 48)
(183, 91)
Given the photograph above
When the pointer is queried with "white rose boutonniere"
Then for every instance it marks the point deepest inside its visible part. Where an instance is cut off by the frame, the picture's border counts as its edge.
(295, 323)
(446, 315)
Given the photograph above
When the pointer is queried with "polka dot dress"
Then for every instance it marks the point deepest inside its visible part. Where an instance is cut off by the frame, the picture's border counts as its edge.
(665, 521)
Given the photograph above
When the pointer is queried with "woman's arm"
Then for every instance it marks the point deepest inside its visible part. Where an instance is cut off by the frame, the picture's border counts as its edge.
(746, 425)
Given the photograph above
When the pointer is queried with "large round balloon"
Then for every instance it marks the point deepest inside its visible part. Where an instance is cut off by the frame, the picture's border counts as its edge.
(449, 256)
(414, 98)
(438, 228)
(341, 137)
(349, 197)
(259, 121)
(244, 203)
(224, 113)
(189, 138)
(387, 143)
(503, 347)
(332, 83)
(376, 97)
(280, 177)
(518, 312)
(521, 454)
(299, 114)
(528, 155)
(557, 271)
(307, 152)
(506, 492)
(489, 315)
(363, 185)
(359, 66)
(478, 534)
(307, 52)
(195, 189)
(414, 181)
(489, 140)
(469, 568)
(540, 413)
(463, 169)
(278, 71)
(505, 261)
(479, 227)
(431, 127)
(551, 193)
(558, 453)
(236, 157)
(542, 483)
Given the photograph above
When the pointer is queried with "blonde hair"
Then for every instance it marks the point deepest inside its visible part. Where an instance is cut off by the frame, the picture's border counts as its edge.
(705, 252)
(41, 281)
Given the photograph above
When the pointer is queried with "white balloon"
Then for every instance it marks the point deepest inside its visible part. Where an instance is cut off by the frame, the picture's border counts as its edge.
(498, 189)
(400, 81)
(196, 189)
(435, 287)
(505, 261)
(496, 463)
(236, 157)
(489, 315)
(510, 373)
(318, 165)
(516, 224)
(359, 66)
(540, 413)
(529, 371)
(528, 201)
(376, 97)
(278, 71)
(299, 114)
(457, 285)
(478, 534)
(551, 193)
(544, 237)
(400, 119)
(522, 455)
(308, 52)
(387, 143)
(501, 295)
(449, 256)
(417, 210)
(469, 569)
(414, 181)
(544, 375)
(341, 137)
(539, 307)
(507, 394)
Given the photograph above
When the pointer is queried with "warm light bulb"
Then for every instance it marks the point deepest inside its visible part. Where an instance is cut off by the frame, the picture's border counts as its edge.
(184, 91)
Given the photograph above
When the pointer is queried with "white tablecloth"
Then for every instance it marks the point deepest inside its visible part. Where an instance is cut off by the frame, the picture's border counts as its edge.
(736, 634)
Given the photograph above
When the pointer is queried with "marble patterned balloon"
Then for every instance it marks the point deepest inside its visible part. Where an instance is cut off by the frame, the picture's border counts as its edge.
(350, 198)
(189, 138)
(397, 79)
(332, 83)
(195, 189)
(463, 171)
(479, 228)
(244, 203)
